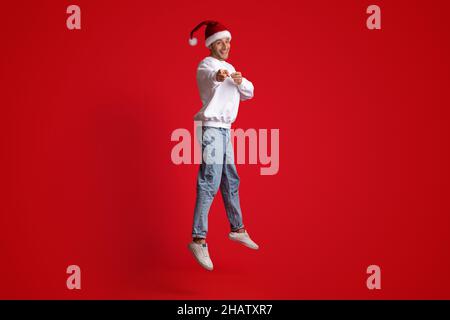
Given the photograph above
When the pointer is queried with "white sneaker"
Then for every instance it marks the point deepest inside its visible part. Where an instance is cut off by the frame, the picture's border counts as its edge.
(243, 238)
(200, 252)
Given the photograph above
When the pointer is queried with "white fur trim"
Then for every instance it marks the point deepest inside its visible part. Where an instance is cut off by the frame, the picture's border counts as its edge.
(193, 41)
(216, 36)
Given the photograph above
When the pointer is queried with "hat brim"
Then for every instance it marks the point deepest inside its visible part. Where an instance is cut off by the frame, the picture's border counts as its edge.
(216, 36)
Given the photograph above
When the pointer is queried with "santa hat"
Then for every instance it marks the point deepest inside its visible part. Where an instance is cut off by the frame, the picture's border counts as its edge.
(213, 31)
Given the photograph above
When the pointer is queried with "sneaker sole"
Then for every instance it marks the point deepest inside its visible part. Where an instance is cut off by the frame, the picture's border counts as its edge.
(196, 259)
(243, 243)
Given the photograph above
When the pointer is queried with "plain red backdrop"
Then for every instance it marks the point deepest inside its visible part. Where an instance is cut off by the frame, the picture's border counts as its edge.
(87, 178)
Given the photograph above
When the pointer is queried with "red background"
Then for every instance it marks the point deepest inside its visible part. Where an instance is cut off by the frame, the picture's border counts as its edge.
(87, 178)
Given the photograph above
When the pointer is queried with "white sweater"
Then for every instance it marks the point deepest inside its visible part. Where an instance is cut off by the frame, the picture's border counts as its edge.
(220, 99)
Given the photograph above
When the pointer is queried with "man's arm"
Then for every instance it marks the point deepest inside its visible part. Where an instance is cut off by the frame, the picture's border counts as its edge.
(207, 73)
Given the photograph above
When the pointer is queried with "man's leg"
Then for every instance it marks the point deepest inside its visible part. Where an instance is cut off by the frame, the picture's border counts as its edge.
(229, 187)
(208, 180)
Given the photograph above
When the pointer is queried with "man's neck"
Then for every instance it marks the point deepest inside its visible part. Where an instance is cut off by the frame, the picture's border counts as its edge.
(218, 58)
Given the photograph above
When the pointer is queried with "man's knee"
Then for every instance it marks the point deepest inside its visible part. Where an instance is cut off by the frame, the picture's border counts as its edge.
(209, 179)
(208, 188)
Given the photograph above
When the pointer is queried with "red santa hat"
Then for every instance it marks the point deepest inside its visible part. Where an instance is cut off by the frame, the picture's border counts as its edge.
(213, 31)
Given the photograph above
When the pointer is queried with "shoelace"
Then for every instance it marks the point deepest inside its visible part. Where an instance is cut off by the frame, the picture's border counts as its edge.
(204, 251)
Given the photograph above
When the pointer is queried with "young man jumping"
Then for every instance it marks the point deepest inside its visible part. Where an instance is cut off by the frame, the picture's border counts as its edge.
(221, 89)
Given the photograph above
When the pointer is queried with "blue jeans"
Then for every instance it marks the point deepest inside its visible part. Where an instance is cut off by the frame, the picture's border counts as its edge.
(217, 170)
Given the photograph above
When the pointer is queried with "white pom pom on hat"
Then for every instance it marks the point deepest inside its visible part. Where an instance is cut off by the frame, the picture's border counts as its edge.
(213, 31)
(193, 41)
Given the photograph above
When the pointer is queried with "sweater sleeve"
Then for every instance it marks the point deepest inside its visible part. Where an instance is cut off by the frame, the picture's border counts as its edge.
(246, 89)
(206, 73)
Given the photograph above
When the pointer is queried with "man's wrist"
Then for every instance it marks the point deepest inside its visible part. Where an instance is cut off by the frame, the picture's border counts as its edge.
(216, 72)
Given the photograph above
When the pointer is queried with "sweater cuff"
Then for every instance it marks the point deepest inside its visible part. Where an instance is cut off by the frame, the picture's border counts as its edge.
(243, 84)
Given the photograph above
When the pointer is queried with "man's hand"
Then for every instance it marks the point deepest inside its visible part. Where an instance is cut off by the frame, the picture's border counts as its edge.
(237, 77)
(221, 75)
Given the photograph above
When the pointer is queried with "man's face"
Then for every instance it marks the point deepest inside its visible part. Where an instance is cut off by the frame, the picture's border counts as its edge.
(221, 48)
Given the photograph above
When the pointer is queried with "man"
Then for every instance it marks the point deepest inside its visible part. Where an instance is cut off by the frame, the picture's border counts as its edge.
(221, 89)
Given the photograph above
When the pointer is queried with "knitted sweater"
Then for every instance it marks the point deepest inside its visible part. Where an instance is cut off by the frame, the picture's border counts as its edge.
(220, 99)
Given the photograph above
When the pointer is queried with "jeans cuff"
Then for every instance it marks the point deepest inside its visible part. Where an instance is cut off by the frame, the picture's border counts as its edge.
(236, 229)
(198, 236)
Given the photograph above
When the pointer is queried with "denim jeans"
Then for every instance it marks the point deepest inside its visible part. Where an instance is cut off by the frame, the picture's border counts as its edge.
(217, 170)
